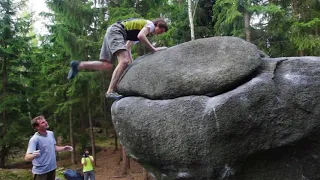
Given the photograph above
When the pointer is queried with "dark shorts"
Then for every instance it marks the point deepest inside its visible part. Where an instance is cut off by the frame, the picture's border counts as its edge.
(114, 40)
(47, 176)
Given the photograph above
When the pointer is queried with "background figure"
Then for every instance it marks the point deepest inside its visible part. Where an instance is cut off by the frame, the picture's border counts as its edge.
(87, 162)
(41, 150)
(117, 42)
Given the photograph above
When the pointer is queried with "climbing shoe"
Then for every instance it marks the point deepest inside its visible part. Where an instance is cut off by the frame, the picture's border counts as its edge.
(114, 96)
(74, 69)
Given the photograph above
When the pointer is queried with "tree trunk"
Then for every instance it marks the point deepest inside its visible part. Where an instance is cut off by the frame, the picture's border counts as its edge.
(146, 174)
(125, 160)
(93, 144)
(247, 26)
(195, 8)
(121, 152)
(115, 141)
(129, 162)
(3, 127)
(294, 7)
(73, 157)
(191, 19)
(103, 99)
(3, 155)
(59, 143)
(295, 14)
(55, 118)
(301, 53)
(82, 121)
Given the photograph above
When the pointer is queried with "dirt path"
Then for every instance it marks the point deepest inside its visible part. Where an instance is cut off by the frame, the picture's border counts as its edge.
(109, 167)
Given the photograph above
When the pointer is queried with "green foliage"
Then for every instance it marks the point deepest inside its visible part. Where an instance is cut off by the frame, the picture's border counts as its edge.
(15, 59)
(282, 28)
(75, 27)
(303, 37)
(178, 22)
(287, 29)
(121, 13)
(225, 13)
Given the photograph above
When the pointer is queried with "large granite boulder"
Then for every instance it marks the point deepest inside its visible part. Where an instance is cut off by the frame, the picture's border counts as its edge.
(261, 124)
(211, 65)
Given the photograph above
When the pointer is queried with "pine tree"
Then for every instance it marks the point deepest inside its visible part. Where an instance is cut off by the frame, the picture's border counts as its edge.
(15, 61)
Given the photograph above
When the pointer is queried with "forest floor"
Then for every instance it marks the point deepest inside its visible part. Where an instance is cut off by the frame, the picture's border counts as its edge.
(109, 166)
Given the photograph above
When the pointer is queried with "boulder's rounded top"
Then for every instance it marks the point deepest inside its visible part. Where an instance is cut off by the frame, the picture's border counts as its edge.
(199, 67)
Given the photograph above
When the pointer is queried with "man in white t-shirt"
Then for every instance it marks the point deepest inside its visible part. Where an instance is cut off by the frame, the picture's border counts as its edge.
(42, 150)
(117, 42)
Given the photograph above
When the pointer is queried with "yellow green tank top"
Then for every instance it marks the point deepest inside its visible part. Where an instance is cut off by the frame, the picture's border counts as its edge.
(133, 27)
(89, 165)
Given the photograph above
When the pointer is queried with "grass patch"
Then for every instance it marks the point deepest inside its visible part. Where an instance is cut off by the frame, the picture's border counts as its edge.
(104, 142)
(59, 173)
(16, 160)
(14, 174)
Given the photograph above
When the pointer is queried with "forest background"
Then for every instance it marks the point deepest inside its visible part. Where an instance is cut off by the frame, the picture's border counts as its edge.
(33, 68)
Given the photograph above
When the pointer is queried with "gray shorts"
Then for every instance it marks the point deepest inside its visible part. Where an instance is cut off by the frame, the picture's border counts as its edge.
(113, 41)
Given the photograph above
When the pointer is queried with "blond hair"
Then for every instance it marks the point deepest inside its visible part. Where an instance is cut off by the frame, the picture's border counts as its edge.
(34, 121)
